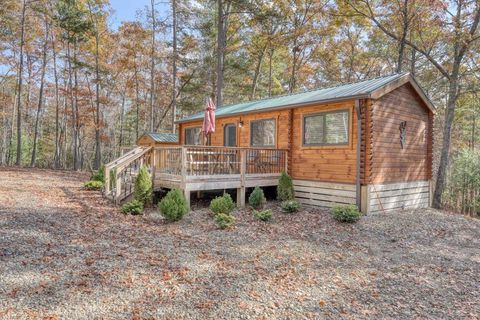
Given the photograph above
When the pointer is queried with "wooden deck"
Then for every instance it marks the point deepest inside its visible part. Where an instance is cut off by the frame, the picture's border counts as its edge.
(197, 168)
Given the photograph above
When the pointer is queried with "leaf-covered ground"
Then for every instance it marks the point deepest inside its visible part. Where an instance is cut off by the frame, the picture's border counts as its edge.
(66, 253)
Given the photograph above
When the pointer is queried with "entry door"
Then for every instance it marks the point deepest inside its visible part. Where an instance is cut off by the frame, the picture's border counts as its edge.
(230, 135)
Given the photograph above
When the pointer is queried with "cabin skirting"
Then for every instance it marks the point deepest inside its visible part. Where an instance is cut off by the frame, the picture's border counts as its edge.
(324, 194)
(394, 196)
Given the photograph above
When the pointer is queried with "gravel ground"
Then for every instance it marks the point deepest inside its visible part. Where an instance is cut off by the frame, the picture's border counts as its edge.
(66, 253)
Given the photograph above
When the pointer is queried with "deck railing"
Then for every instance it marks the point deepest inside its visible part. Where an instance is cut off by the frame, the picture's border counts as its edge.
(209, 161)
(179, 165)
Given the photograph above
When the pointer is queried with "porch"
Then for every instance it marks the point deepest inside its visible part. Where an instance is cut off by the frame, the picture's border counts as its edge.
(196, 168)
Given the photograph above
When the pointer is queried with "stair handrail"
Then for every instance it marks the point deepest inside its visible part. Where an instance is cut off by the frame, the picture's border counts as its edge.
(119, 165)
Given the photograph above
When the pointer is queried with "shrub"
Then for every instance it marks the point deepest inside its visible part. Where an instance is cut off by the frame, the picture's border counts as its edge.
(223, 220)
(223, 204)
(285, 188)
(257, 198)
(264, 215)
(174, 205)
(133, 207)
(93, 185)
(290, 206)
(99, 175)
(346, 213)
(143, 187)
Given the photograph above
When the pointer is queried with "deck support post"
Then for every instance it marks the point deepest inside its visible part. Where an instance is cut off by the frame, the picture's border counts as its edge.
(241, 197)
(186, 192)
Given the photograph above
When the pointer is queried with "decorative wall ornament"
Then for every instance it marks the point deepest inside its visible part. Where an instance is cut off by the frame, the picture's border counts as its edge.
(403, 133)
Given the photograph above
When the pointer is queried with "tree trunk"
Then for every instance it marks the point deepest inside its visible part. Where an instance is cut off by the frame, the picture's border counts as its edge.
(137, 99)
(19, 90)
(174, 64)
(56, 157)
(152, 67)
(270, 57)
(40, 97)
(98, 151)
(447, 136)
(120, 140)
(220, 52)
(257, 73)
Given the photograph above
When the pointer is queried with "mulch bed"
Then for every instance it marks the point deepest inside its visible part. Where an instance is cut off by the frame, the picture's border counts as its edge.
(67, 253)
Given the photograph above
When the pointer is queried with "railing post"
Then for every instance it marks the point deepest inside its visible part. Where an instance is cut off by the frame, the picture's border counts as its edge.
(118, 188)
(243, 169)
(153, 162)
(107, 181)
(286, 161)
(183, 159)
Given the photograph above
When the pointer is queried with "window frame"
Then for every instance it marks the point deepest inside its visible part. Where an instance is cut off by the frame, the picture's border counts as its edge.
(225, 131)
(338, 145)
(274, 133)
(185, 134)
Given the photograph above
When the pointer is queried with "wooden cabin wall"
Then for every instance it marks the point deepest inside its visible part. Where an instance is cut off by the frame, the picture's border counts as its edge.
(316, 163)
(389, 162)
(243, 133)
(324, 163)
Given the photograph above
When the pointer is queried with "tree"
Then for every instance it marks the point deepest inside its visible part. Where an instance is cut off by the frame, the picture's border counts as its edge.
(19, 87)
(452, 34)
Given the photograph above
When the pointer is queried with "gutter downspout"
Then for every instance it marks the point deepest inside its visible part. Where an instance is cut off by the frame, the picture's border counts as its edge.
(359, 146)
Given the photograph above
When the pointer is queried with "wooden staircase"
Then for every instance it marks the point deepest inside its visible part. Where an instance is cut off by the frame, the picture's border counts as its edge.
(121, 173)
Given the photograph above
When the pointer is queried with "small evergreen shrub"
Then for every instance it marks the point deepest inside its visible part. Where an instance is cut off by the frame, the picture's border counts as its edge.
(285, 188)
(99, 175)
(257, 198)
(223, 220)
(264, 215)
(346, 213)
(133, 207)
(174, 205)
(143, 187)
(93, 185)
(291, 206)
(223, 204)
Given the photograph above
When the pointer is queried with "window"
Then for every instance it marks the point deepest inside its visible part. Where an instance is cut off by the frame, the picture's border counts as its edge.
(262, 133)
(326, 128)
(193, 136)
(230, 135)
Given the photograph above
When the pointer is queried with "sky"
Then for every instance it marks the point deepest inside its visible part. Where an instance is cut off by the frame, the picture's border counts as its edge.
(125, 10)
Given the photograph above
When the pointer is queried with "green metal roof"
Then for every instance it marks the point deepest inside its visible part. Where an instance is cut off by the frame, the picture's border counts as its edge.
(163, 137)
(340, 92)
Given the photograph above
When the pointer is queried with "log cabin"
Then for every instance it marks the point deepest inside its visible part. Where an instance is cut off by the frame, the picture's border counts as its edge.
(367, 143)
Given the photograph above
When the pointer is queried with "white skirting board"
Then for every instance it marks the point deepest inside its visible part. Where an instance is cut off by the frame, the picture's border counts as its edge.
(394, 196)
(324, 194)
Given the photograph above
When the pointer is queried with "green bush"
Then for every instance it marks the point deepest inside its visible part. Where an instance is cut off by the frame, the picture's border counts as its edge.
(143, 187)
(290, 206)
(264, 215)
(346, 213)
(99, 175)
(174, 205)
(223, 220)
(285, 188)
(93, 185)
(257, 198)
(223, 204)
(133, 207)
